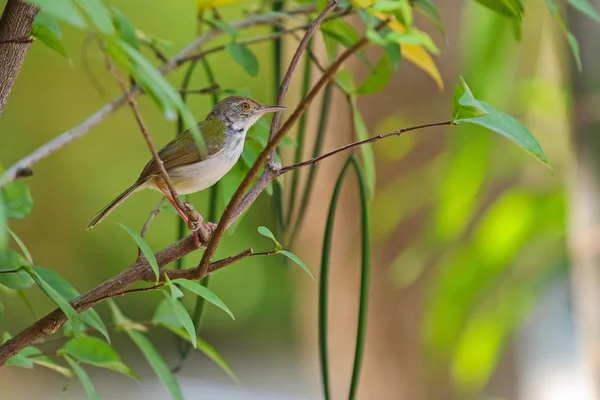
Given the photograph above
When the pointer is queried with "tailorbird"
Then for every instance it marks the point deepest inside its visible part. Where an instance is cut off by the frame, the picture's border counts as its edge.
(224, 131)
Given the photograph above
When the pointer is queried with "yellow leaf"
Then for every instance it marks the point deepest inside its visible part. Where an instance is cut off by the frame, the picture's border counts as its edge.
(203, 5)
(414, 53)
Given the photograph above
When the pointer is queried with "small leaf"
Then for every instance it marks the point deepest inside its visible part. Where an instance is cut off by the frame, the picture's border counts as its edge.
(157, 363)
(430, 10)
(263, 230)
(49, 363)
(17, 199)
(183, 315)
(345, 80)
(56, 298)
(146, 250)
(46, 29)
(379, 78)
(571, 39)
(99, 15)
(91, 350)
(19, 360)
(87, 384)
(585, 8)
(22, 246)
(464, 103)
(395, 54)
(508, 8)
(413, 37)
(366, 151)
(205, 293)
(89, 317)
(125, 28)
(506, 126)
(10, 260)
(64, 10)
(297, 260)
(207, 349)
(244, 57)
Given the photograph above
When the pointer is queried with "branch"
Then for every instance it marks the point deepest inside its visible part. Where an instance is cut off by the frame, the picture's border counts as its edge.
(285, 83)
(398, 132)
(80, 130)
(15, 29)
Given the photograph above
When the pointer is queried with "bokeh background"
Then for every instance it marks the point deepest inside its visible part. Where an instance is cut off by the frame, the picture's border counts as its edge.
(474, 291)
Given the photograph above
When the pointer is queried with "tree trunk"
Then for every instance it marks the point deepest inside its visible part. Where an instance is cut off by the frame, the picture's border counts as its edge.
(15, 29)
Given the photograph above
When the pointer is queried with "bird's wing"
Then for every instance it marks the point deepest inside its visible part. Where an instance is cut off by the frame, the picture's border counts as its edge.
(182, 150)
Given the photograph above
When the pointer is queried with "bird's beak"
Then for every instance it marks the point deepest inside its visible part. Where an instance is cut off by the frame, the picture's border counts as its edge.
(266, 109)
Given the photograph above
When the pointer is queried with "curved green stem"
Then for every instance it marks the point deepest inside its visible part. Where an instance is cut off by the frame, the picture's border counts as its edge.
(364, 281)
(277, 62)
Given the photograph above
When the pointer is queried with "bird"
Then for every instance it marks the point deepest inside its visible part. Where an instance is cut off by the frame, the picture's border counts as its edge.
(224, 131)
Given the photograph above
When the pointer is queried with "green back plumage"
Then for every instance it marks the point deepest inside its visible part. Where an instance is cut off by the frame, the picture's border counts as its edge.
(182, 150)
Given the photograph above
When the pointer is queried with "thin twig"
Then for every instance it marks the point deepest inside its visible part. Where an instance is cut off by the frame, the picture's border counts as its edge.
(398, 132)
(80, 130)
(287, 78)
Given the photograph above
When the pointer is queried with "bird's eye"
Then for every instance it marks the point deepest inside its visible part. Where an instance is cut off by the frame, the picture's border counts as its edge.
(245, 106)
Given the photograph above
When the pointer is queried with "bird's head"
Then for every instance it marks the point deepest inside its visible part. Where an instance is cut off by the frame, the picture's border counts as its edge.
(239, 113)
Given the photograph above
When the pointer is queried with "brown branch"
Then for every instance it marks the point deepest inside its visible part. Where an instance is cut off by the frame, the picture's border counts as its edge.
(15, 29)
(80, 130)
(398, 132)
(271, 173)
(285, 83)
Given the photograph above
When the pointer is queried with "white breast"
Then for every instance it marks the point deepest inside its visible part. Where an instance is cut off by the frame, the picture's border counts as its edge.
(199, 176)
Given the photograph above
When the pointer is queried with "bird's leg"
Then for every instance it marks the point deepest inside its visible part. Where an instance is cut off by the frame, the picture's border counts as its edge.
(194, 226)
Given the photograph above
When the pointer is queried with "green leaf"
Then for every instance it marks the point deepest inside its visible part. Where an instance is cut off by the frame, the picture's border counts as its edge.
(99, 15)
(87, 384)
(465, 105)
(345, 80)
(394, 53)
(19, 360)
(60, 301)
(508, 8)
(337, 31)
(125, 28)
(244, 57)
(22, 246)
(403, 13)
(585, 8)
(387, 6)
(571, 39)
(146, 250)
(207, 349)
(379, 77)
(506, 126)
(180, 311)
(413, 36)
(297, 260)
(157, 363)
(17, 200)
(155, 85)
(10, 260)
(430, 10)
(263, 230)
(89, 317)
(366, 151)
(47, 362)
(205, 293)
(3, 222)
(46, 29)
(91, 350)
(64, 10)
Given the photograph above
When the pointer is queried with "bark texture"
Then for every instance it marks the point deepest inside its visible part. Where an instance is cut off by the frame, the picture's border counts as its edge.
(15, 29)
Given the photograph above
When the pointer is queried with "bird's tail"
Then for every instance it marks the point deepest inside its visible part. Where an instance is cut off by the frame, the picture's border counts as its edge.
(100, 215)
